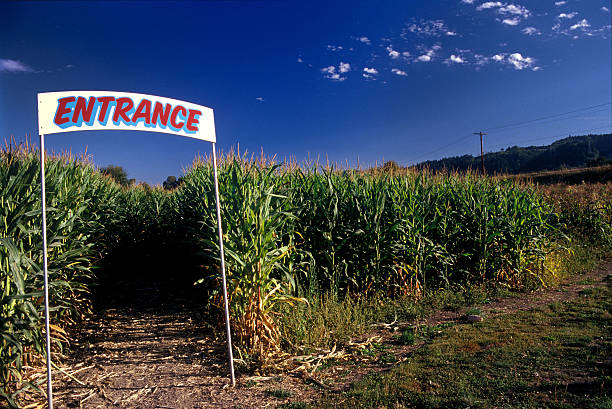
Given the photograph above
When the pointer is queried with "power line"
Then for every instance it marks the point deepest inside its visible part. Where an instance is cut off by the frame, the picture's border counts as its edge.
(464, 137)
(530, 140)
(560, 136)
(554, 120)
(547, 117)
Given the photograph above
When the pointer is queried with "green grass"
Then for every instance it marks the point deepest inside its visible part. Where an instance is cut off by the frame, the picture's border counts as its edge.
(329, 321)
(553, 357)
(279, 393)
(408, 337)
(473, 311)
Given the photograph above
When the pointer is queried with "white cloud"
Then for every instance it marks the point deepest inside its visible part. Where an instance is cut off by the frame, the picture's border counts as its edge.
(364, 40)
(335, 74)
(511, 21)
(399, 72)
(489, 5)
(519, 62)
(582, 24)
(560, 3)
(369, 73)
(531, 31)
(468, 1)
(330, 73)
(260, 99)
(568, 15)
(498, 57)
(455, 59)
(605, 9)
(14, 66)
(392, 53)
(406, 54)
(480, 60)
(435, 47)
(580, 28)
(515, 9)
(536, 69)
(335, 47)
(429, 53)
(300, 60)
(428, 28)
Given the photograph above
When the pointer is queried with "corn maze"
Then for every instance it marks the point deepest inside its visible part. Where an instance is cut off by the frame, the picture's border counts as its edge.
(291, 234)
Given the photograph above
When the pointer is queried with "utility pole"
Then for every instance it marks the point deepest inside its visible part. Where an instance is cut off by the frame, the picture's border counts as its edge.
(481, 152)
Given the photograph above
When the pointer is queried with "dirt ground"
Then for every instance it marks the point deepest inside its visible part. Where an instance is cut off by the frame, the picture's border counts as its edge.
(156, 356)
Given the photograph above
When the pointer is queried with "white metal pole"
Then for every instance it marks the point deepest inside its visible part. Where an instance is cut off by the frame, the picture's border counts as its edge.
(46, 279)
(220, 228)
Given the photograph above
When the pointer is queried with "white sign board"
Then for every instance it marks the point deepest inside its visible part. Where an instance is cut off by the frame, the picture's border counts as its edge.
(69, 111)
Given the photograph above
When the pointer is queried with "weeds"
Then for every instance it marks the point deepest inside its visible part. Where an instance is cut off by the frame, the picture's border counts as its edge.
(408, 337)
(550, 357)
(279, 393)
(294, 405)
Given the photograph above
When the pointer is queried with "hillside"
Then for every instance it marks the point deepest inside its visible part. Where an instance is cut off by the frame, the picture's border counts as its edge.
(571, 152)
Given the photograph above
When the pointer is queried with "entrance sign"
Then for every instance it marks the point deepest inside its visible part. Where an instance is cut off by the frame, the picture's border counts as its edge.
(69, 111)
(111, 110)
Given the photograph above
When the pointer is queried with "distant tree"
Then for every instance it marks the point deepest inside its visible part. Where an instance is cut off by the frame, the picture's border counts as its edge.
(600, 161)
(391, 166)
(145, 186)
(172, 182)
(118, 174)
(570, 152)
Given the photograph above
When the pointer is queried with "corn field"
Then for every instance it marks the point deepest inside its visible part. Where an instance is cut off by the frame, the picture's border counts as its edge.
(291, 234)
(78, 201)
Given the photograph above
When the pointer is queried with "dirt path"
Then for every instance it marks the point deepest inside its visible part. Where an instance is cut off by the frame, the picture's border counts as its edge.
(156, 357)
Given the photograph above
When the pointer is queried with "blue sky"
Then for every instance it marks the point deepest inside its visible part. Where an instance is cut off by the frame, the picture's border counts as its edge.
(353, 81)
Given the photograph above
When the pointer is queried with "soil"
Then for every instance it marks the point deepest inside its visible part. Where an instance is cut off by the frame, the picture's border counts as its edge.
(159, 354)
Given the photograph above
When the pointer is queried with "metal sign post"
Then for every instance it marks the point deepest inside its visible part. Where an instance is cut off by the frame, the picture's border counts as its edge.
(45, 272)
(69, 111)
(225, 301)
